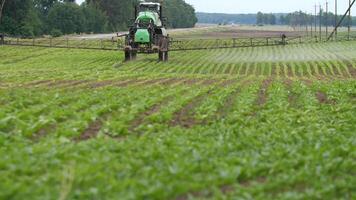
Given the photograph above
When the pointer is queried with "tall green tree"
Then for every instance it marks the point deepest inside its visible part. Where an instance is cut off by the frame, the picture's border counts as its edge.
(66, 17)
(2, 4)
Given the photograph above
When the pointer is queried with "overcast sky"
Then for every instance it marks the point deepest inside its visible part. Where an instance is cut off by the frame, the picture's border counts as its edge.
(253, 6)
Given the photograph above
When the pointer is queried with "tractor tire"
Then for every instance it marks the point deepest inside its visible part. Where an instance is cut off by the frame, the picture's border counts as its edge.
(163, 56)
(130, 55)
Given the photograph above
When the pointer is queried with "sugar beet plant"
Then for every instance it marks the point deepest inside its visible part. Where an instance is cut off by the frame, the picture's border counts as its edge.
(250, 123)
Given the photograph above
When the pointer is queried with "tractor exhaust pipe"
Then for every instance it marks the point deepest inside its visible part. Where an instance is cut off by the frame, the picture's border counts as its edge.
(135, 6)
(161, 12)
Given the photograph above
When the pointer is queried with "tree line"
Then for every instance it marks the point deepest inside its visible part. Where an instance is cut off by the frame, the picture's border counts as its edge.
(293, 19)
(30, 18)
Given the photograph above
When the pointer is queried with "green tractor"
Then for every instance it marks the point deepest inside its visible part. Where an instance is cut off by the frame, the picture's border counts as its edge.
(148, 33)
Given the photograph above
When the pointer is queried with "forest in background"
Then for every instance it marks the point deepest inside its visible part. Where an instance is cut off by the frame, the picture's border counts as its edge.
(29, 18)
(298, 18)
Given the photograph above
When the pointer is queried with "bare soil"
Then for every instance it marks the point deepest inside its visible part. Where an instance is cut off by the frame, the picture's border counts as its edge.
(92, 130)
(262, 95)
(185, 116)
(154, 109)
(323, 98)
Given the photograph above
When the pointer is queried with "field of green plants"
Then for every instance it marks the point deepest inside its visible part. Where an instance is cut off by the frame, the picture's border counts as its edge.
(246, 123)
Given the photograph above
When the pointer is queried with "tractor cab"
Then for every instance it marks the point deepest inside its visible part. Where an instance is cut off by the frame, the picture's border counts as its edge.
(149, 6)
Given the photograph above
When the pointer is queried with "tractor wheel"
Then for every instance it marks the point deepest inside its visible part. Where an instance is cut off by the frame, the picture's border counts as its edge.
(127, 55)
(163, 56)
(134, 55)
(130, 55)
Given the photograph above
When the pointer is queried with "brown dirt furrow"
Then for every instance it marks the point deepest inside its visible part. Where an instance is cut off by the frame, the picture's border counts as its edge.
(262, 95)
(154, 109)
(185, 117)
(191, 81)
(75, 83)
(100, 84)
(227, 83)
(209, 82)
(128, 83)
(243, 70)
(307, 82)
(205, 194)
(43, 132)
(37, 83)
(352, 71)
(350, 68)
(230, 100)
(171, 81)
(323, 98)
(60, 83)
(151, 82)
(289, 70)
(248, 183)
(292, 97)
(274, 69)
(91, 131)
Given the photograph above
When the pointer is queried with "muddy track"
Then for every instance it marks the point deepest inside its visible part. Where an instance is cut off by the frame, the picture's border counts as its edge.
(262, 95)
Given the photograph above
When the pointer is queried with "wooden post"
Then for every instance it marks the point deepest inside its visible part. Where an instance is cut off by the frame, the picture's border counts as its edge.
(17, 41)
(251, 43)
(67, 43)
(101, 44)
(234, 42)
(33, 42)
(50, 42)
(267, 41)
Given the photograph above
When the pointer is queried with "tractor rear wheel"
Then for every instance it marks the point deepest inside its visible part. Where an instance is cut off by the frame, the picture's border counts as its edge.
(130, 55)
(163, 56)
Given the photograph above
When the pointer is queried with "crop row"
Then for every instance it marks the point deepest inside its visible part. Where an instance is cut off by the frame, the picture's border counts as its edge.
(176, 105)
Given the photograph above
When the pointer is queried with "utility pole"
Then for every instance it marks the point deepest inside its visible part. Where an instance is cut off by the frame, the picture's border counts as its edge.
(342, 19)
(310, 22)
(326, 19)
(315, 24)
(335, 19)
(350, 20)
(320, 19)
